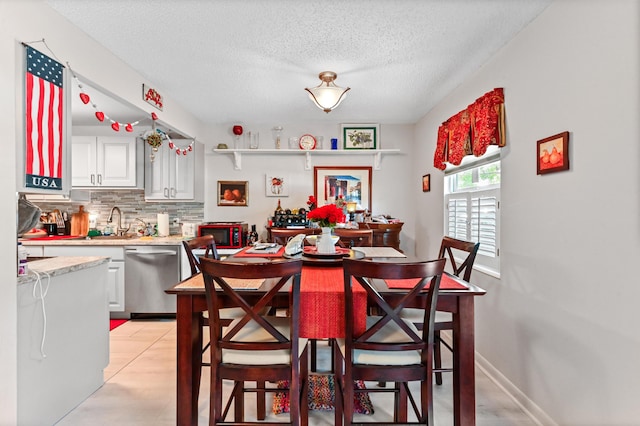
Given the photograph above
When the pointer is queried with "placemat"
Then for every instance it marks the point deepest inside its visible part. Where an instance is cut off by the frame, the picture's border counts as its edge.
(446, 283)
(245, 253)
(379, 252)
(197, 281)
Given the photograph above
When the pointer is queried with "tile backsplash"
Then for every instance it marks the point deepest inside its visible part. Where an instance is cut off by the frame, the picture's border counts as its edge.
(133, 205)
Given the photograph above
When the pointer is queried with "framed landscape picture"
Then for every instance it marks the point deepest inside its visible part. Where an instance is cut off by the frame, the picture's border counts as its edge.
(553, 153)
(352, 183)
(233, 193)
(360, 136)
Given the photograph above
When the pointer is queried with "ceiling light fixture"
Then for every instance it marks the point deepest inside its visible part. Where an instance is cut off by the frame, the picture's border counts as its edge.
(327, 96)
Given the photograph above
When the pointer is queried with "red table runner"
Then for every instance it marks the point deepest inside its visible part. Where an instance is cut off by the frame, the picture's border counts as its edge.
(322, 303)
(446, 283)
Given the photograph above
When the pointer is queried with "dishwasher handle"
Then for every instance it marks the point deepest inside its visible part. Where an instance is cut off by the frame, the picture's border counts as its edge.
(152, 253)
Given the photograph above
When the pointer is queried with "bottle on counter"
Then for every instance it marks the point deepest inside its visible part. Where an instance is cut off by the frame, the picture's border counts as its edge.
(253, 236)
(279, 208)
(23, 269)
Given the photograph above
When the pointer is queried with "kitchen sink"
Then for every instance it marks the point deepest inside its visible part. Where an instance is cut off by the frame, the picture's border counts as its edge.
(114, 237)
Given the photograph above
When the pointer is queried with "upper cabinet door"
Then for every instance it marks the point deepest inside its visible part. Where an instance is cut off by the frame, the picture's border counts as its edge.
(103, 161)
(83, 161)
(116, 161)
(173, 177)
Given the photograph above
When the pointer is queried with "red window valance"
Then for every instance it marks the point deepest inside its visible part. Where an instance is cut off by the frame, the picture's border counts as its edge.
(472, 130)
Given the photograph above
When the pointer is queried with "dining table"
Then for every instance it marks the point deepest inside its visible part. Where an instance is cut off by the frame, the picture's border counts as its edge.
(322, 308)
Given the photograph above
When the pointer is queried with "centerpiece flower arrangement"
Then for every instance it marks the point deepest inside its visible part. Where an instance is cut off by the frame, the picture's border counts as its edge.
(326, 216)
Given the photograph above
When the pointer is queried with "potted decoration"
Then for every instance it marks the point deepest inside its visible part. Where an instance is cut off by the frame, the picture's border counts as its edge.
(326, 216)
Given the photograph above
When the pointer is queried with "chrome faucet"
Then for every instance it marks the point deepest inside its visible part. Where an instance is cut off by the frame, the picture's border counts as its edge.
(119, 229)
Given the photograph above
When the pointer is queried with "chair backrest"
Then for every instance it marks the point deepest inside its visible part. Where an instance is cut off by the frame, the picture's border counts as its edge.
(282, 235)
(450, 247)
(391, 302)
(207, 242)
(226, 274)
(354, 237)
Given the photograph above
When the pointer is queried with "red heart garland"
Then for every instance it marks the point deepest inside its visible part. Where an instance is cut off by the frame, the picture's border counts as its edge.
(184, 152)
(85, 98)
(177, 151)
(115, 126)
(154, 117)
(100, 115)
(190, 148)
(171, 145)
(129, 127)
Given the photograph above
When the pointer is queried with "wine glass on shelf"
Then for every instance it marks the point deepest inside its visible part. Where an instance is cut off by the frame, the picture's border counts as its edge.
(237, 130)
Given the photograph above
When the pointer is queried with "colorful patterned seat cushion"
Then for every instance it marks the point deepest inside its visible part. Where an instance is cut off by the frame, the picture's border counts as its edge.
(322, 396)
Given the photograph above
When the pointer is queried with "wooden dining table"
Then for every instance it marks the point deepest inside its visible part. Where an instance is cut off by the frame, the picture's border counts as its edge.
(457, 298)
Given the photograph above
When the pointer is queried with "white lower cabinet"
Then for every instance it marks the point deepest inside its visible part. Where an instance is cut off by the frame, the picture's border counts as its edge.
(115, 280)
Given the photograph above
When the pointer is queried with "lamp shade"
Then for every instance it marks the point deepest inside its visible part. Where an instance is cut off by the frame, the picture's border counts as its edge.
(327, 96)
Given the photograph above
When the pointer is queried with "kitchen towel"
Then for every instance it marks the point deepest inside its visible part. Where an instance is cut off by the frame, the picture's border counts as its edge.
(163, 224)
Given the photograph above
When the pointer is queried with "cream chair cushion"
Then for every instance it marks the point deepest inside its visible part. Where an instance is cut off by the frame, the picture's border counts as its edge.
(390, 333)
(252, 332)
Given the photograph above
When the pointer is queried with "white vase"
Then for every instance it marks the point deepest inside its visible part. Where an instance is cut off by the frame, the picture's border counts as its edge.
(325, 243)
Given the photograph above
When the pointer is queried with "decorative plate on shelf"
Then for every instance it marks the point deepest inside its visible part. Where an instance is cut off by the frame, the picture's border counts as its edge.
(307, 142)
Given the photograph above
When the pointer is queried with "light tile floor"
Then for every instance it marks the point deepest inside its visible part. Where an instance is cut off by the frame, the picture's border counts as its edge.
(139, 387)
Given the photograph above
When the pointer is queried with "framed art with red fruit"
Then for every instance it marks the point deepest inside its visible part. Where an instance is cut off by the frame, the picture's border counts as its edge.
(553, 153)
(233, 193)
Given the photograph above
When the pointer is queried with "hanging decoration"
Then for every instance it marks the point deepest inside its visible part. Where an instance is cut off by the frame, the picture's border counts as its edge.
(472, 130)
(155, 137)
(100, 115)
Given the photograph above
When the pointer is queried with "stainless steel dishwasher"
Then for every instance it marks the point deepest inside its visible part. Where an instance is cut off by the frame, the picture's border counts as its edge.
(148, 272)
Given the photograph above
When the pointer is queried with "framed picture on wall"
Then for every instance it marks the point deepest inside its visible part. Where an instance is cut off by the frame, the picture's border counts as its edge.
(426, 183)
(276, 185)
(360, 136)
(553, 153)
(352, 183)
(233, 193)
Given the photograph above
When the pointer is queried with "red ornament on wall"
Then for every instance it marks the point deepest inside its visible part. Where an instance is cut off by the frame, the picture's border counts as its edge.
(115, 126)
(84, 98)
(100, 115)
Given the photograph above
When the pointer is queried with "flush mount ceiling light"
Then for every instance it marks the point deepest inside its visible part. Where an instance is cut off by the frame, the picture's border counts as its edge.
(327, 96)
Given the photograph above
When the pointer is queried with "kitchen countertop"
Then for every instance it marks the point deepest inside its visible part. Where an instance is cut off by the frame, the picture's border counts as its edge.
(173, 240)
(59, 265)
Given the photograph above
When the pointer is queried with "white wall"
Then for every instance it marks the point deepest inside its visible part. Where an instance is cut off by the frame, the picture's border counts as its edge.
(390, 192)
(559, 325)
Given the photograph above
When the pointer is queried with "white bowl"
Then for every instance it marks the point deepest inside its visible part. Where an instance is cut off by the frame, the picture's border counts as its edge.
(312, 239)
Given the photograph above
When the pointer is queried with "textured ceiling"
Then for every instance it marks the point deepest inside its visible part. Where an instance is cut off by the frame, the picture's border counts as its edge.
(248, 61)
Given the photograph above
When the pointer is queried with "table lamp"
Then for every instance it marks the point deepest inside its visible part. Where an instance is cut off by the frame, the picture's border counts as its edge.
(351, 209)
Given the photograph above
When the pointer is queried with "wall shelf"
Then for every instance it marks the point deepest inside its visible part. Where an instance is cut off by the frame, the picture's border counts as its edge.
(237, 154)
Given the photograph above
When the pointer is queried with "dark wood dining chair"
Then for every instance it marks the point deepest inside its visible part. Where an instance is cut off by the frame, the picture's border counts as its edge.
(354, 237)
(461, 256)
(390, 349)
(282, 235)
(227, 315)
(255, 347)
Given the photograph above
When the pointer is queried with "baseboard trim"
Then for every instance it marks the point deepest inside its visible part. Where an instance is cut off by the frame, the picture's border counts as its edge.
(531, 409)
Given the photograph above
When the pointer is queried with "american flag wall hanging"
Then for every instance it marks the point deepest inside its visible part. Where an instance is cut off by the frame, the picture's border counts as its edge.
(44, 100)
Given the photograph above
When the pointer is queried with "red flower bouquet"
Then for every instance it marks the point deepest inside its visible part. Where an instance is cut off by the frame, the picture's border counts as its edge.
(327, 215)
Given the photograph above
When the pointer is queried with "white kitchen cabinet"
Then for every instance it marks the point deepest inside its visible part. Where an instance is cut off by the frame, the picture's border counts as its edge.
(173, 177)
(103, 161)
(115, 280)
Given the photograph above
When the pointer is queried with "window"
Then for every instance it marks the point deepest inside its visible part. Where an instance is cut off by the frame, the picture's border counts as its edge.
(472, 209)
